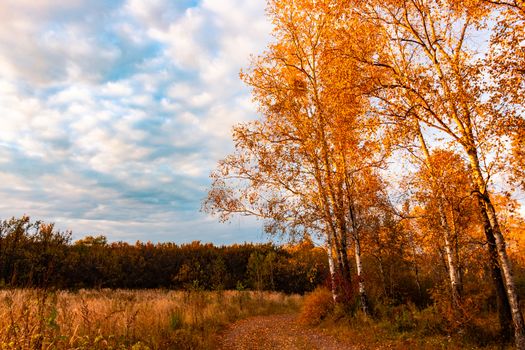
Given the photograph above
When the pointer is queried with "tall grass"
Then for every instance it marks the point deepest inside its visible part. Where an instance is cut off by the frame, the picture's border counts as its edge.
(123, 319)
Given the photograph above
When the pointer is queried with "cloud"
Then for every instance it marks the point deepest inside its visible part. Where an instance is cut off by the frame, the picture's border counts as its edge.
(114, 112)
(49, 42)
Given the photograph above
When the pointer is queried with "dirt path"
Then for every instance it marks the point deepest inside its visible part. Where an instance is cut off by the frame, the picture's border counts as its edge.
(276, 332)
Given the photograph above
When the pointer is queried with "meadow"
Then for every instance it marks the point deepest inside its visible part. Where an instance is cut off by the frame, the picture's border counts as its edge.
(124, 319)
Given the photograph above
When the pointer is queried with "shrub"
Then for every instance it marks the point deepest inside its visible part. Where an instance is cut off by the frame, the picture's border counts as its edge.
(403, 318)
(316, 306)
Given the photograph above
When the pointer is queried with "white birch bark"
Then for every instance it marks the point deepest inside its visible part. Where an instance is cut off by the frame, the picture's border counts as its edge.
(331, 266)
(361, 283)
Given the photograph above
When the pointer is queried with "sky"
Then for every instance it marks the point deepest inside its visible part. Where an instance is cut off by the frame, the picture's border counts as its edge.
(113, 113)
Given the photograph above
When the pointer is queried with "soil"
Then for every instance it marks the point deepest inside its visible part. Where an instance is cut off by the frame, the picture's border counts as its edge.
(276, 332)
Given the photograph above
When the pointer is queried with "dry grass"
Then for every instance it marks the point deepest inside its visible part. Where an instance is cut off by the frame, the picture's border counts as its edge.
(121, 319)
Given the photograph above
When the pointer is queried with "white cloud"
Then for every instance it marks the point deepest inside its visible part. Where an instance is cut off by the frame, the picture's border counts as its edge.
(16, 183)
(157, 13)
(117, 89)
(181, 91)
(48, 42)
(108, 112)
(187, 39)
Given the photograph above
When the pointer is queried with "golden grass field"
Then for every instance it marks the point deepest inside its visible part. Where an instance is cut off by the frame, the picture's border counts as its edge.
(123, 319)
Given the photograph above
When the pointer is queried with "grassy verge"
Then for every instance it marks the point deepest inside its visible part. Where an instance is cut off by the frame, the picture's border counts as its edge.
(363, 333)
(408, 328)
(122, 319)
(400, 327)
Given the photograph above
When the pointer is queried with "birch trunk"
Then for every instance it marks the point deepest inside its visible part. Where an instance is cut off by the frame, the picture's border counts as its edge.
(383, 277)
(345, 265)
(453, 272)
(361, 283)
(331, 266)
(502, 301)
(505, 265)
(452, 266)
(415, 264)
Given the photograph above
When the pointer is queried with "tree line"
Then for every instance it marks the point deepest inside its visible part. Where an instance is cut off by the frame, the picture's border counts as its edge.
(394, 132)
(36, 255)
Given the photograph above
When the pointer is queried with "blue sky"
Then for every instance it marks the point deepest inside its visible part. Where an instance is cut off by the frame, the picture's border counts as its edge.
(113, 113)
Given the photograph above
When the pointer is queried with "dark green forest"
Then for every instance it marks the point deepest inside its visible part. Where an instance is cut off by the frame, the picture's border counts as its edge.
(35, 254)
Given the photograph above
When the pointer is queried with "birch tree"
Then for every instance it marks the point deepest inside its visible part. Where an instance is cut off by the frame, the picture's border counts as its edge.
(427, 55)
(299, 166)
